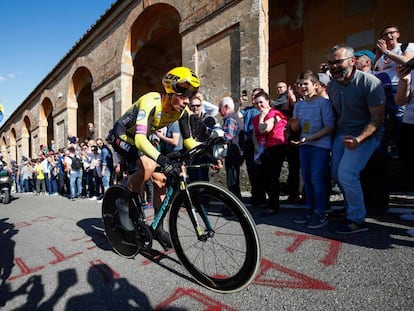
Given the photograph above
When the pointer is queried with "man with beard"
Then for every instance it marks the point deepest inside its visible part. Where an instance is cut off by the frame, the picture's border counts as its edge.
(359, 102)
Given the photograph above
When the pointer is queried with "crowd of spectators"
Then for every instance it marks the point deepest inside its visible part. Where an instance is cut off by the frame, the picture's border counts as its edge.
(81, 170)
(311, 125)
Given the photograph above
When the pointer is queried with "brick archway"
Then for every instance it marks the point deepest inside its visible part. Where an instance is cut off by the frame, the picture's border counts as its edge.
(80, 103)
(156, 47)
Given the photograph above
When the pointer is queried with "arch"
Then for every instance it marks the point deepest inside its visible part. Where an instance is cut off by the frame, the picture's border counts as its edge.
(3, 149)
(46, 130)
(80, 103)
(27, 137)
(155, 47)
(13, 144)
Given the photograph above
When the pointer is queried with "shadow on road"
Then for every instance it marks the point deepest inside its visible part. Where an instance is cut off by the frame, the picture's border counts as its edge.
(94, 228)
(109, 292)
(7, 244)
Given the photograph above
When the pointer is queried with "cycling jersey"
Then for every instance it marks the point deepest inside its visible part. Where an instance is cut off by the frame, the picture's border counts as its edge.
(131, 132)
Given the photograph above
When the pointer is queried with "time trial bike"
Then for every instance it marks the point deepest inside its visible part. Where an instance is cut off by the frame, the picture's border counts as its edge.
(212, 232)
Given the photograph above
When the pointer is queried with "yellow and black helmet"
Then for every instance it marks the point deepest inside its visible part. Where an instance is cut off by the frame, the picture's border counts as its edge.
(181, 81)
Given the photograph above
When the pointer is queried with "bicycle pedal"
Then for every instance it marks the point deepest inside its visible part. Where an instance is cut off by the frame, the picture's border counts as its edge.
(163, 238)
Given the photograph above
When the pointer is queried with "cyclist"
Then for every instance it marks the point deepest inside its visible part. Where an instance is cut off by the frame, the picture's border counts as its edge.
(130, 136)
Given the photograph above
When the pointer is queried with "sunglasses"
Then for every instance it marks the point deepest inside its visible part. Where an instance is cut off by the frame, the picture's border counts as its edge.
(338, 61)
(184, 89)
(194, 106)
(386, 34)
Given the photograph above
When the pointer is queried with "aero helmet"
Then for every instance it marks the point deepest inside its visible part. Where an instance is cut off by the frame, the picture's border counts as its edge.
(181, 81)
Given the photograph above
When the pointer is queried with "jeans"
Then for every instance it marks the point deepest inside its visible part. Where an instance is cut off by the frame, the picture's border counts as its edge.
(26, 185)
(75, 181)
(20, 184)
(89, 187)
(61, 186)
(47, 182)
(107, 179)
(314, 163)
(232, 166)
(53, 185)
(270, 171)
(258, 192)
(346, 167)
(40, 185)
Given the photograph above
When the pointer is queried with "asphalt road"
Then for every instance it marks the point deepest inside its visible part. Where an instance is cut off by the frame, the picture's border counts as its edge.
(54, 256)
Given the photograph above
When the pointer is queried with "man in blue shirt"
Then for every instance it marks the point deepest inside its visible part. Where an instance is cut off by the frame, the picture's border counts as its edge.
(359, 102)
(107, 164)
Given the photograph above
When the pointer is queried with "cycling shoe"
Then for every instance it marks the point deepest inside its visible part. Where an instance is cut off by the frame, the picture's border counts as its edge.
(163, 238)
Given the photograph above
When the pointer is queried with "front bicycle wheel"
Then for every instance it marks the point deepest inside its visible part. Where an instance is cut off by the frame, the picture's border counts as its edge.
(227, 257)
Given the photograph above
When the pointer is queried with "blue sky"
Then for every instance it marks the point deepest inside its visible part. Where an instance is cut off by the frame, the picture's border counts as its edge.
(34, 37)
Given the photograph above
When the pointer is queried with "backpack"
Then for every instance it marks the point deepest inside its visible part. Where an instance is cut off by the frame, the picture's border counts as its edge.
(404, 47)
(76, 163)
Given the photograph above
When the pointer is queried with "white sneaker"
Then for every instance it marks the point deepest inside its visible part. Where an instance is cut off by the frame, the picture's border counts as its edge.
(410, 232)
(93, 198)
(409, 216)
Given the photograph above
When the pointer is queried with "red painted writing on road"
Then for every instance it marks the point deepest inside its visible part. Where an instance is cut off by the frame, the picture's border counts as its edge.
(333, 245)
(295, 279)
(23, 224)
(193, 299)
(24, 269)
(61, 257)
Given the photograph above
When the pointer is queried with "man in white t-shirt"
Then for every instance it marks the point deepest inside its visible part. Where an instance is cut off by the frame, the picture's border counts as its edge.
(390, 54)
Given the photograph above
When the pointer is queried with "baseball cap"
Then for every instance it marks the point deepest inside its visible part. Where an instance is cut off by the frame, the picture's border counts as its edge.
(72, 140)
(368, 53)
(323, 78)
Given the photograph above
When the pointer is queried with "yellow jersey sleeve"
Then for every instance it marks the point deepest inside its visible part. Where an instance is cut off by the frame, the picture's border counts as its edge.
(146, 104)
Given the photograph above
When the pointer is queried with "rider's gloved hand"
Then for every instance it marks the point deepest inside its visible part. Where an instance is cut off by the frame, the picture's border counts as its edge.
(169, 167)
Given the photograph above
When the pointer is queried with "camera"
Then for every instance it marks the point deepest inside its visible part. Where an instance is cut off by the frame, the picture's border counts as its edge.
(324, 68)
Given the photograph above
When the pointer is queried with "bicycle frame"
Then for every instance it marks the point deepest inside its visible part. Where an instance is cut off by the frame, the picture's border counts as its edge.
(224, 258)
(179, 186)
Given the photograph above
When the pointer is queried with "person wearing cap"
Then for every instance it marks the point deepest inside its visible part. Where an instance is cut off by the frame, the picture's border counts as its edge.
(324, 80)
(130, 136)
(374, 179)
(365, 59)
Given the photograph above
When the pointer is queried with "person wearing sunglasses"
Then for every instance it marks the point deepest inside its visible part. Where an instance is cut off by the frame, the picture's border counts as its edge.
(152, 111)
(358, 99)
(201, 124)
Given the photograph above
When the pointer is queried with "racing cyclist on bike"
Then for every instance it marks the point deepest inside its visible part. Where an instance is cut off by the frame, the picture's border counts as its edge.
(152, 111)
